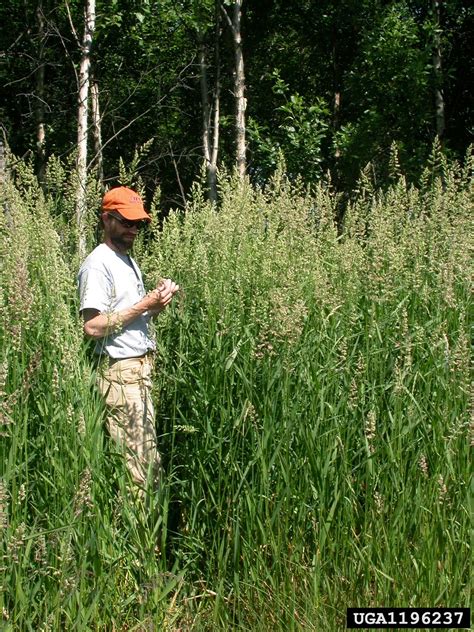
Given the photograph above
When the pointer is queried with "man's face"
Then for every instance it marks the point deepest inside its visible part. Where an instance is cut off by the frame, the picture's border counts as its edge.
(119, 231)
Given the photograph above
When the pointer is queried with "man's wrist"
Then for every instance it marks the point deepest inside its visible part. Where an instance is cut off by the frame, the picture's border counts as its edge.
(115, 322)
(150, 299)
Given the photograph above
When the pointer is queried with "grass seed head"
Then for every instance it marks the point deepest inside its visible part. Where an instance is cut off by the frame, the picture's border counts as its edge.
(83, 500)
(379, 502)
(16, 542)
(4, 497)
(370, 428)
(442, 489)
(423, 463)
(353, 394)
(40, 550)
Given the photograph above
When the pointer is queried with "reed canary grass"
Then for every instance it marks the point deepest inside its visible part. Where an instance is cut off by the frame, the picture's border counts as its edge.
(312, 401)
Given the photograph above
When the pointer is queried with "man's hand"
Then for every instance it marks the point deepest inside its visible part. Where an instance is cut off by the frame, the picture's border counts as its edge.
(167, 285)
(162, 296)
(99, 324)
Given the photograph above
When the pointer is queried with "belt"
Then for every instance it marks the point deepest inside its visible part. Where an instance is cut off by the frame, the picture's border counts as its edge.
(106, 359)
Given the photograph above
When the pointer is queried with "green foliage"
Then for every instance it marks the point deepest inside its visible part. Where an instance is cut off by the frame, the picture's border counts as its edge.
(298, 133)
(312, 395)
(353, 76)
(315, 401)
(391, 83)
(63, 498)
(128, 175)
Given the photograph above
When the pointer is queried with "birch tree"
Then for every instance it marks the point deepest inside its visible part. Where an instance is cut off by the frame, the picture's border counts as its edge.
(82, 119)
(97, 130)
(239, 87)
(210, 109)
(40, 93)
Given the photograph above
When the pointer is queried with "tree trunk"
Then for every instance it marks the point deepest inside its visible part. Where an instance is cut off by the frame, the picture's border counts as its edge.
(82, 118)
(206, 123)
(97, 131)
(212, 173)
(336, 122)
(239, 90)
(438, 73)
(40, 95)
(210, 133)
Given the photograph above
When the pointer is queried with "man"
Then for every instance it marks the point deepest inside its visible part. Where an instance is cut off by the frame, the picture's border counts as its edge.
(116, 312)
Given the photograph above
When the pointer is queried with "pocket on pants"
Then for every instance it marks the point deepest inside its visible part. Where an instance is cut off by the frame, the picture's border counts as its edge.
(123, 381)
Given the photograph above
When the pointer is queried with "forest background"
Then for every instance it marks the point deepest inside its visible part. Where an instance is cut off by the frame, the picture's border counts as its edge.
(328, 85)
(309, 165)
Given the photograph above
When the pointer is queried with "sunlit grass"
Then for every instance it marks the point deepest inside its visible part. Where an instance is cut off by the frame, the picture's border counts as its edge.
(312, 394)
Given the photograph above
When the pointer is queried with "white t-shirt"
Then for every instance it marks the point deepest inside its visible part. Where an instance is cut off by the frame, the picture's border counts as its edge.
(109, 282)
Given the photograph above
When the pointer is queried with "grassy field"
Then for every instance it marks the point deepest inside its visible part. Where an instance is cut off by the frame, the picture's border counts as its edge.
(313, 394)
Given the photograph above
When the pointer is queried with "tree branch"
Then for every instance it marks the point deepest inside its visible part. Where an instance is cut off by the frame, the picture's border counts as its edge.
(177, 175)
(229, 21)
(71, 24)
(139, 116)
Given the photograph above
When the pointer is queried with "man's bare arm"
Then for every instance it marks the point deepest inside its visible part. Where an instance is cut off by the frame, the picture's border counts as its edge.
(99, 324)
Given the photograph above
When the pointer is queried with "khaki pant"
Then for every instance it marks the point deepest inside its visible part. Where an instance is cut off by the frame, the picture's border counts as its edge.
(126, 386)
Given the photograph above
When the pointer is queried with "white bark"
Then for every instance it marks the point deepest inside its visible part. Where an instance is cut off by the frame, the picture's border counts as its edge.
(212, 172)
(40, 102)
(239, 91)
(217, 103)
(204, 102)
(82, 119)
(210, 133)
(96, 130)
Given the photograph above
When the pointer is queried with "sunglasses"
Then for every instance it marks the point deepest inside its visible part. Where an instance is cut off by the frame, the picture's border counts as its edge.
(140, 223)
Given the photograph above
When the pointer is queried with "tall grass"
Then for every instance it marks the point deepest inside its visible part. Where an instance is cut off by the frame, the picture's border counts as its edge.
(312, 394)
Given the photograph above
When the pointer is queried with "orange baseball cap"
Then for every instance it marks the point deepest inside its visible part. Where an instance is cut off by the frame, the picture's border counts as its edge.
(126, 202)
